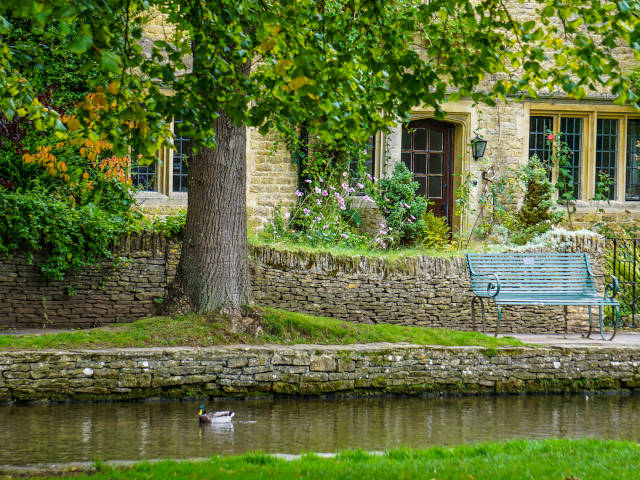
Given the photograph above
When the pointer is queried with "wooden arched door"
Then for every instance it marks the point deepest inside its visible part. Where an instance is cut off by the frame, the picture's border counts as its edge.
(427, 150)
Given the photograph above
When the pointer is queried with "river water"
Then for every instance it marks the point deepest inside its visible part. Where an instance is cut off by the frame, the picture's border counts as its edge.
(170, 429)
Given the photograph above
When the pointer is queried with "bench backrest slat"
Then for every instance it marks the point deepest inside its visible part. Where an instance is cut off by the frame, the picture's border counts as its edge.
(539, 273)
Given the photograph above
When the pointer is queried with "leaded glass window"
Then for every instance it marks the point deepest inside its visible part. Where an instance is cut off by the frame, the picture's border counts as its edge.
(572, 129)
(539, 129)
(143, 177)
(607, 153)
(182, 150)
(632, 190)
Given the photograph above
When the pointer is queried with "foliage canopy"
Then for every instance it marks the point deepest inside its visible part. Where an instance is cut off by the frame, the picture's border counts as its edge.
(348, 67)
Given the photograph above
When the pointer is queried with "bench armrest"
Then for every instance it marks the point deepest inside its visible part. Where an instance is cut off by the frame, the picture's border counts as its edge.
(493, 289)
(611, 289)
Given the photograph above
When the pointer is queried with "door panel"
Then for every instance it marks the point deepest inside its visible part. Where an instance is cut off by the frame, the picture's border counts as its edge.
(427, 150)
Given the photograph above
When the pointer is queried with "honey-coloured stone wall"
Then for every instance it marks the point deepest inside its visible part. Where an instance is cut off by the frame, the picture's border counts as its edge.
(416, 290)
(369, 369)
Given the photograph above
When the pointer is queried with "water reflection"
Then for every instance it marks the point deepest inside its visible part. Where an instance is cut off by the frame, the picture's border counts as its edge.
(48, 433)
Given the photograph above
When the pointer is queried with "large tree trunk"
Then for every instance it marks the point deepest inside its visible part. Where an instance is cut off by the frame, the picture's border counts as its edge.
(213, 271)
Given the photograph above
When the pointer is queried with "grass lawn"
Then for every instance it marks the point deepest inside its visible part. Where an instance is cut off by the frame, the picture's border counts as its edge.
(517, 460)
(276, 326)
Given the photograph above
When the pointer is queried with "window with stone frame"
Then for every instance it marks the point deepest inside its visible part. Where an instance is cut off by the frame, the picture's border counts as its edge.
(603, 141)
(169, 173)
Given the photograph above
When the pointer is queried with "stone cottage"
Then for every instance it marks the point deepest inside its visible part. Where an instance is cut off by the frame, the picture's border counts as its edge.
(602, 136)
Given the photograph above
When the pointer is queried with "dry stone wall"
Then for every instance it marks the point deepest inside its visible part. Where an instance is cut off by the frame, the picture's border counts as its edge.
(120, 290)
(419, 290)
(312, 370)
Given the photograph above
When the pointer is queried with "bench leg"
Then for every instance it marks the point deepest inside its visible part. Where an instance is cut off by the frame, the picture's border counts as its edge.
(483, 314)
(590, 322)
(499, 318)
(616, 320)
(473, 312)
(601, 323)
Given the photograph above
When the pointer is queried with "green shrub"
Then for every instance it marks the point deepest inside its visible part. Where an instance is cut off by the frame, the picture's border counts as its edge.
(402, 208)
(437, 233)
(536, 215)
(66, 237)
(171, 225)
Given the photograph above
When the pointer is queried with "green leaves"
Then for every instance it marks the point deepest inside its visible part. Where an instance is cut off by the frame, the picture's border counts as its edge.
(319, 63)
(110, 62)
(82, 41)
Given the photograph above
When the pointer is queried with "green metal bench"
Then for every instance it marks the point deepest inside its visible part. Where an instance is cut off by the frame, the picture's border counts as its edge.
(538, 279)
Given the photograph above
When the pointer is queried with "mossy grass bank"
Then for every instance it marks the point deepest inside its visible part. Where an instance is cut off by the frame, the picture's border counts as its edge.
(515, 460)
(270, 326)
(391, 254)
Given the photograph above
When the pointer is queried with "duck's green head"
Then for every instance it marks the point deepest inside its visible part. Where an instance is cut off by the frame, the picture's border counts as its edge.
(202, 410)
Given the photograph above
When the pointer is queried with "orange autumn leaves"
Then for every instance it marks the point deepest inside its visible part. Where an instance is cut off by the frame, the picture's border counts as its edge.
(79, 179)
(83, 176)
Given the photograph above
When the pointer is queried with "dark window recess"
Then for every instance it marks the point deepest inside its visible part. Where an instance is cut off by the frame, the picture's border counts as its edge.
(632, 189)
(572, 129)
(143, 177)
(368, 165)
(539, 129)
(607, 153)
(182, 151)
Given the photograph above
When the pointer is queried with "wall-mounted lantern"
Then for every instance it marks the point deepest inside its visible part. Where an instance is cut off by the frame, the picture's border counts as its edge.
(478, 145)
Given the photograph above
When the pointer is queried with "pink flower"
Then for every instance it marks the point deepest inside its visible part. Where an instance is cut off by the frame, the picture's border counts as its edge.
(324, 193)
(345, 186)
(317, 190)
(369, 176)
(412, 217)
(344, 235)
(331, 187)
(318, 202)
(324, 227)
(308, 181)
(306, 211)
(359, 185)
(299, 193)
(551, 137)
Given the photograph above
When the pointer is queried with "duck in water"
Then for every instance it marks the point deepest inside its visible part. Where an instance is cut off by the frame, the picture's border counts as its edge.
(214, 417)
